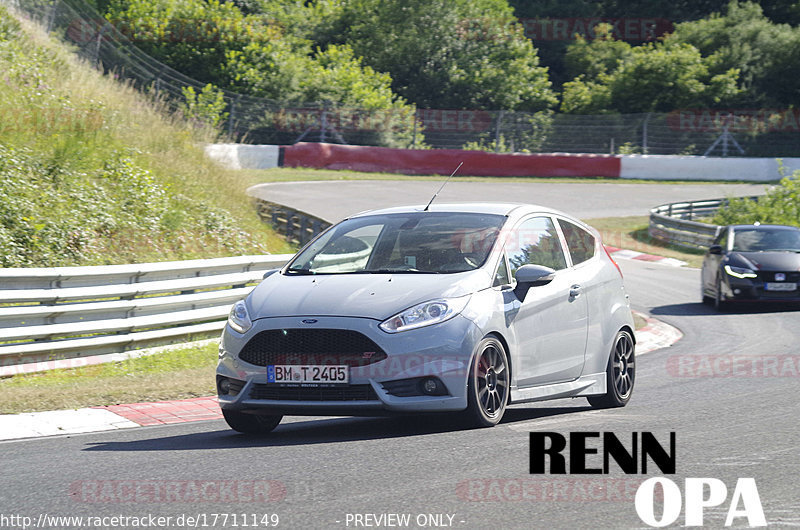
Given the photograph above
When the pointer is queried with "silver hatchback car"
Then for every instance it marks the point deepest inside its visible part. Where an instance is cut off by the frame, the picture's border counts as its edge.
(459, 308)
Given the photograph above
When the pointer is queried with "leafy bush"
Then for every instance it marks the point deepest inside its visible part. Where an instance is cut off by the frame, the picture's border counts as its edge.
(780, 205)
(257, 55)
(206, 108)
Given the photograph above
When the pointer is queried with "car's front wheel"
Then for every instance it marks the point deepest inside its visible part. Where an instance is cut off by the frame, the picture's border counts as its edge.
(620, 374)
(250, 423)
(488, 384)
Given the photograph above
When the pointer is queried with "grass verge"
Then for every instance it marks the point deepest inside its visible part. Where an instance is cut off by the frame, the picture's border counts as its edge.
(631, 233)
(171, 374)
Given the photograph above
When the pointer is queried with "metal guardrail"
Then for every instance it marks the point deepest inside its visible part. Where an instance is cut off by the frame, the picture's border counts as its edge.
(296, 226)
(674, 223)
(70, 312)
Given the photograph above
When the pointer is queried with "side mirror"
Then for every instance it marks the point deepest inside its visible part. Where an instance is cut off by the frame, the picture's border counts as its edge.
(269, 273)
(531, 276)
(715, 249)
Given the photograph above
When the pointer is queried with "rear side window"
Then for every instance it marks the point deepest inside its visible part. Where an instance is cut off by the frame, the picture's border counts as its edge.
(581, 243)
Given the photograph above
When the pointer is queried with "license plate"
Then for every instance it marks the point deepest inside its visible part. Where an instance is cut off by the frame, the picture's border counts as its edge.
(782, 286)
(308, 374)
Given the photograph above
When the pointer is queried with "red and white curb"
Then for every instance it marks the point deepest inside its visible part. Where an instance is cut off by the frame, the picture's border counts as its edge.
(617, 253)
(109, 418)
(653, 336)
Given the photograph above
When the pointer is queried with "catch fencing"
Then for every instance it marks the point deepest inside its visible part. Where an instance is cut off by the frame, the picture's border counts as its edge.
(733, 132)
(72, 312)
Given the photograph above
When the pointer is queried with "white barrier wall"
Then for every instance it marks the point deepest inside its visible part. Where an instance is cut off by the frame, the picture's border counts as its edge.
(244, 156)
(647, 167)
(671, 167)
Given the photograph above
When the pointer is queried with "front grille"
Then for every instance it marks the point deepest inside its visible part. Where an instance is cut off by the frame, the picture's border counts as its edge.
(344, 393)
(311, 346)
(769, 276)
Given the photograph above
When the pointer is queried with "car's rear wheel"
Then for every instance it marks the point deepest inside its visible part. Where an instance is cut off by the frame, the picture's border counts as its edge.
(250, 423)
(488, 384)
(620, 374)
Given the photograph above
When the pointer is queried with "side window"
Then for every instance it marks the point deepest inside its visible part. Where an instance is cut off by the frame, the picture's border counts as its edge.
(535, 242)
(579, 242)
(501, 277)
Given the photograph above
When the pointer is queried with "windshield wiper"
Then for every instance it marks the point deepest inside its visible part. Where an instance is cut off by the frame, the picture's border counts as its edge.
(395, 271)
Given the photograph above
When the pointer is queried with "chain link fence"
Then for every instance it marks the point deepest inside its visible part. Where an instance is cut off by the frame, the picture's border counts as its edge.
(735, 132)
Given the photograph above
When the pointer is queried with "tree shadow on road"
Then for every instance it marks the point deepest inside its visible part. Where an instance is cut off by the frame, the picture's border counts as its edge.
(319, 431)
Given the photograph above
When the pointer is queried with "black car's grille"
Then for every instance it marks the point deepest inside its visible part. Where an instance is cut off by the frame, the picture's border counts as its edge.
(344, 393)
(769, 276)
(311, 346)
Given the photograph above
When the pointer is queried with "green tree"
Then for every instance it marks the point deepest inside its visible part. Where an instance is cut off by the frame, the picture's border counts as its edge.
(446, 53)
(766, 53)
(654, 77)
(192, 36)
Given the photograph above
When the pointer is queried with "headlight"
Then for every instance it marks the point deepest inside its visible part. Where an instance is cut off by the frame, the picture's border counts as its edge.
(740, 272)
(425, 314)
(238, 318)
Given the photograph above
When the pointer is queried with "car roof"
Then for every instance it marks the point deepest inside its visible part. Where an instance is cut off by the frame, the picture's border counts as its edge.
(496, 208)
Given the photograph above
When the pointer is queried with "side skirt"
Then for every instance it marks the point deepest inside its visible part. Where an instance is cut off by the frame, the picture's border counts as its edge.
(587, 385)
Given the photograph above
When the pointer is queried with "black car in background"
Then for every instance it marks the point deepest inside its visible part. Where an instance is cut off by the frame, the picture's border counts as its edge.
(752, 262)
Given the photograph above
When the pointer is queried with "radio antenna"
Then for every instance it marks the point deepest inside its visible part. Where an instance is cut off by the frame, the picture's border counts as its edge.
(442, 186)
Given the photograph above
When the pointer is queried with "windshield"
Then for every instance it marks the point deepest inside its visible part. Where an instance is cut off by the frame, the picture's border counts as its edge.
(766, 240)
(418, 242)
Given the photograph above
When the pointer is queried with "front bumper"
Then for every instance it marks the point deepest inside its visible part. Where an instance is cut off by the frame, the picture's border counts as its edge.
(749, 290)
(442, 351)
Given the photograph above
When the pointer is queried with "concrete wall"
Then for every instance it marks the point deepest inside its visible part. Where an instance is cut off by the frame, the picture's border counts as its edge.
(479, 163)
(668, 167)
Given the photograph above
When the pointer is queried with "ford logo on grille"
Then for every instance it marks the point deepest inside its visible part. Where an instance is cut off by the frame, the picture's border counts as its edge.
(310, 321)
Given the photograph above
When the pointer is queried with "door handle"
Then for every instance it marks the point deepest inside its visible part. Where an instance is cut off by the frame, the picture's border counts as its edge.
(575, 291)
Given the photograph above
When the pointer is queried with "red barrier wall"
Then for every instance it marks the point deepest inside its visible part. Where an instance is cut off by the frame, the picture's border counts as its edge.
(444, 161)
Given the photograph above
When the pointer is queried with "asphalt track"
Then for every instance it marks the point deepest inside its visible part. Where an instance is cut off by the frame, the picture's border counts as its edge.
(335, 200)
(326, 468)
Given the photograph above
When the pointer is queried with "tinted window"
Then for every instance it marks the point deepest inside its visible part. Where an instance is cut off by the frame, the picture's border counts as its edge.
(766, 239)
(535, 242)
(579, 242)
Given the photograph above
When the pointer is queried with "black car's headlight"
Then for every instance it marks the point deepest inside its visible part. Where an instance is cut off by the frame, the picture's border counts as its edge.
(425, 314)
(239, 318)
(740, 272)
